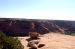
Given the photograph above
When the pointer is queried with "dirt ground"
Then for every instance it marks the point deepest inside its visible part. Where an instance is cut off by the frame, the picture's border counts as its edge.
(53, 41)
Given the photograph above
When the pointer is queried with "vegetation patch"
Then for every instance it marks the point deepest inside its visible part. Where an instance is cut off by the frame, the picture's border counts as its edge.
(9, 42)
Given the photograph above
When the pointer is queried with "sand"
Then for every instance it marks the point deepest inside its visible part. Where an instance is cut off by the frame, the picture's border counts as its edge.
(53, 41)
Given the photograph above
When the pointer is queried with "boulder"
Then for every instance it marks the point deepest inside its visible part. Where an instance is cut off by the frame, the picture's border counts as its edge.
(33, 43)
(33, 34)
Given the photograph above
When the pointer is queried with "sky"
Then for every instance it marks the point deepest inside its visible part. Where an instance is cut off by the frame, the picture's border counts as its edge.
(38, 9)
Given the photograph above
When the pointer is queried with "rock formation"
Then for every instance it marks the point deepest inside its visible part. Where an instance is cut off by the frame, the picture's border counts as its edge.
(21, 27)
(33, 34)
(33, 44)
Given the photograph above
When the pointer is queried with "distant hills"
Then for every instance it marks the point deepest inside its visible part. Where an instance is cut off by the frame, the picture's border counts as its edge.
(21, 27)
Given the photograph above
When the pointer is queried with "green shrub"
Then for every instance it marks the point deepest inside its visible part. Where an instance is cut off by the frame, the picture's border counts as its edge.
(9, 42)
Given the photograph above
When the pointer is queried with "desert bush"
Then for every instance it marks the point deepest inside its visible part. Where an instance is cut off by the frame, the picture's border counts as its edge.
(9, 42)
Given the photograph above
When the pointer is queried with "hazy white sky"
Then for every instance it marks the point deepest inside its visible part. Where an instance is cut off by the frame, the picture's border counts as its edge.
(38, 9)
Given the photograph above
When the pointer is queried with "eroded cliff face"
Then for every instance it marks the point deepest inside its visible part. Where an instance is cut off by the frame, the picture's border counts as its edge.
(23, 27)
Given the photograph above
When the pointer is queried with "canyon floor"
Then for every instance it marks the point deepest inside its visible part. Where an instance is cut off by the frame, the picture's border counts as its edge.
(53, 41)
